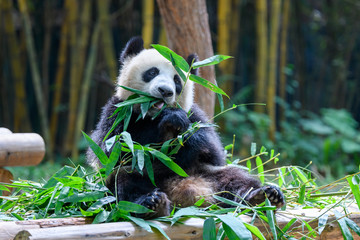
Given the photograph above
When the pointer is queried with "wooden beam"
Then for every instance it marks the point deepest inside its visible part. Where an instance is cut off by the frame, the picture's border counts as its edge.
(20, 149)
(78, 228)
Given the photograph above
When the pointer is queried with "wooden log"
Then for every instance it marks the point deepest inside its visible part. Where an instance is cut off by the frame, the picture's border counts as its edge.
(20, 149)
(6, 177)
(77, 228)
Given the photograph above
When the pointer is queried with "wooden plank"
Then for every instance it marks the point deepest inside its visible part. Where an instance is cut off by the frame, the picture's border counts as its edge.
(21, 149)
(77, 228)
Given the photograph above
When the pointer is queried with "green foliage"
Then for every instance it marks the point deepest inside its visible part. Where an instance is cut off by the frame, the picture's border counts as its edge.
(330, 141)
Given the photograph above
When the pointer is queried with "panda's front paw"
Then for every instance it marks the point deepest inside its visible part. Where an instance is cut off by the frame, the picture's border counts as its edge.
(173, 122)
(273, 193)
(156, 201)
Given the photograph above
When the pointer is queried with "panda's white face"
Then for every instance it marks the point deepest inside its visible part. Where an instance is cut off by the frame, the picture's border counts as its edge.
(150, 72)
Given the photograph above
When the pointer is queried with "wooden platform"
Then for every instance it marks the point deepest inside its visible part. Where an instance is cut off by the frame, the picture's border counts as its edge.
(80, 228)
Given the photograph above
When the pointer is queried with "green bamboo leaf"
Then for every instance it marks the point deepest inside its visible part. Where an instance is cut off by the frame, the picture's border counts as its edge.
(84, 197)
(352, 225)
(221, 102)
(288, 225)
(301, 198)
(101, 217)
(118, 119)
(254, 230)
(141, 223)
(96, 149)
(156, 226)
(138, 100)
(132, 207)
(234, 227)
(149, 169)
(167, 53)
(210, 61)
(140, 159)
(301, 175)
(253, 149)
(322, 222)
(271, 219)
(113, 159)
(168, 162)
(260, 168)
(136, 91)
(126, 137)
(207, 84)
(343, 227)
(64, 171)
(101, 202)
(310, 229)
(127, 118)
(354, 189)
(144, 107)
(3, 188)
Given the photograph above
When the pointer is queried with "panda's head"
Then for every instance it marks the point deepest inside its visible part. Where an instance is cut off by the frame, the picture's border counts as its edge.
(148, 71)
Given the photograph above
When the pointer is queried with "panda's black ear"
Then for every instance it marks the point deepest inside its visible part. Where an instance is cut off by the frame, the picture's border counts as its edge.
(193, 57)
(133, 47)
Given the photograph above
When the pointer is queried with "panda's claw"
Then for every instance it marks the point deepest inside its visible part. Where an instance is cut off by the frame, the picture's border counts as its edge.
(273, 193)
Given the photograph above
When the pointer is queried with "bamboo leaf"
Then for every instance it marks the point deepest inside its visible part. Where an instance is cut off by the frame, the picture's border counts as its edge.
(136, 91)
(84, 197)
(3, 188)
(149, 169)
(254, 230)
(167, 53)
(126, 137)
(205, 83)
(301, 198)
(260, 168)
(96, 149)
(132, 207)
(234, 227)
(352, 225)
(354, 189)
(322, 222)
(343, 227)
(101, 202)
(140, 159)
(271, 219)
(209, 232)
(210, 61)
(154, 225)
(141, 223)
(169, 163)
(113, 159)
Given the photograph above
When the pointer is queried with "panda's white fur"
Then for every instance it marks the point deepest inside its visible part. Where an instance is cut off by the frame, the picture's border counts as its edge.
(131, 76)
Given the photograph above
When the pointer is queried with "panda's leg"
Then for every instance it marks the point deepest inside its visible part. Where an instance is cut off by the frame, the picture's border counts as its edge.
(238, 185)
(185, 192)
(138, 189)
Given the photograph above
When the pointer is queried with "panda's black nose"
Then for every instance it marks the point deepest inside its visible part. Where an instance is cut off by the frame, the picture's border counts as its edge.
(165, 92)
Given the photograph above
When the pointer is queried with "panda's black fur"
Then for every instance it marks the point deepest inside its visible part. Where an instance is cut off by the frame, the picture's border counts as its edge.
(202, 156)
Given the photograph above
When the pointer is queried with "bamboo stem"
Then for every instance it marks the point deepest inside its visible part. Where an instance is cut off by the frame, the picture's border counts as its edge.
(272, 63)
(36, 77)
(148, 22)
(90, 65)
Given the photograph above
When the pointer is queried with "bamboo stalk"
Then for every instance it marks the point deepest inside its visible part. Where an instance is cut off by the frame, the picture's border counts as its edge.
(148, 22)
(59, 78)
(283, 52)
(223, 42)
(261, 54)
(72, 7)
(36, 77)
(82, 51)
(107, 38)
(90, 65)
(272, 63)
(21, 117)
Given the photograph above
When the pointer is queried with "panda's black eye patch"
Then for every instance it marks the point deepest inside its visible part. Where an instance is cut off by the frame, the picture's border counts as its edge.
(178, 84)
(150, 74)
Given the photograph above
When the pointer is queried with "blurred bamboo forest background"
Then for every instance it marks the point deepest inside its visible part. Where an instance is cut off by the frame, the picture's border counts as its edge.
(59, 62)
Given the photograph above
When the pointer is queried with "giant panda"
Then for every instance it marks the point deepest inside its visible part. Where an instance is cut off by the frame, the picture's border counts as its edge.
(202, 156)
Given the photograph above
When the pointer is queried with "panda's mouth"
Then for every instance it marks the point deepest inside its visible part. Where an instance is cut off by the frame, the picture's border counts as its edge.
(158, 105)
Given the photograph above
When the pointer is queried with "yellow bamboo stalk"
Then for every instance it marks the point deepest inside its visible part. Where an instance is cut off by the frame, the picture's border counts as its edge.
(163, 37)
(107, 38)
(82, 51)
(72, 10)
(283, 52)
(272, 60)
(36, 76)
(59, 78)
(85, 88)
(148, 22)
(261, 54)
(21, 117)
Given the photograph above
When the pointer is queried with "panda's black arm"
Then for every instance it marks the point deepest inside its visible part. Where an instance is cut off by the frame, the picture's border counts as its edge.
(202, 147)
